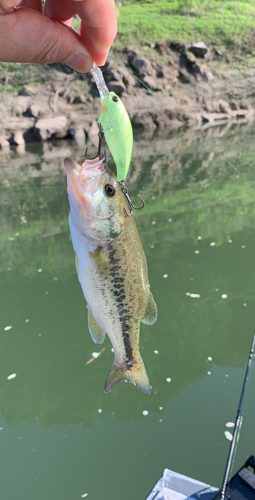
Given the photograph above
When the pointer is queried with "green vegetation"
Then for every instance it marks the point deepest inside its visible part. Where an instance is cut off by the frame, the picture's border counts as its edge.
(13, 76)
(215, 21)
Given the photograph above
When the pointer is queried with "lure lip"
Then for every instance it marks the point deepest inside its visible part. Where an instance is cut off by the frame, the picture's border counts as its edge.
(99, 81)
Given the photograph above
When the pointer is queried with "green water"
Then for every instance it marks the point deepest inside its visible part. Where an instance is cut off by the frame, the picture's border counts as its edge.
(55, 443)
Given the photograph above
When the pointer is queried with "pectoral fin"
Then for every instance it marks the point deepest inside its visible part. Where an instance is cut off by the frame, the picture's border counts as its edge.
(101, 263)
(96, 332)
(151, 311)
(136, 375)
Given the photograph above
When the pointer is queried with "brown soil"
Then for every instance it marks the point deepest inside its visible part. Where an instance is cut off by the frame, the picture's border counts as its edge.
(187, 90)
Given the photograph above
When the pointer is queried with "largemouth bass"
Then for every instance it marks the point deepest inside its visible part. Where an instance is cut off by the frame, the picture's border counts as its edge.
(111, 267)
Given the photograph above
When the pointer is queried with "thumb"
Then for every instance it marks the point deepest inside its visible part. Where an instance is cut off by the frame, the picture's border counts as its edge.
(28, 36)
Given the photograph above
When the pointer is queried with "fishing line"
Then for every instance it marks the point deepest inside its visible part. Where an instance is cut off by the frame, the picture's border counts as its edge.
(174, 112)
(150, 90)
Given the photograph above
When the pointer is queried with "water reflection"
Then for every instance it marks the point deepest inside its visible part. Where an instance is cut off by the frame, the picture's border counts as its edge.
(198, 233)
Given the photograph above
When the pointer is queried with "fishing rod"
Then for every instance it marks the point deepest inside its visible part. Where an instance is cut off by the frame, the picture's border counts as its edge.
(238, 422)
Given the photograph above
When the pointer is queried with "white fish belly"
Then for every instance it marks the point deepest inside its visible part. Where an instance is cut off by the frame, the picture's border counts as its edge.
(95, 290)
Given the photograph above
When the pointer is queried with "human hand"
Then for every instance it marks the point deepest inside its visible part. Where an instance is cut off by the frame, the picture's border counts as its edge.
(28, 35)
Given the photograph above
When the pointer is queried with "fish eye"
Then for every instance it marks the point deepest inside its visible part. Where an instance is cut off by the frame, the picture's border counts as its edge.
(109, 189)
(115, 98)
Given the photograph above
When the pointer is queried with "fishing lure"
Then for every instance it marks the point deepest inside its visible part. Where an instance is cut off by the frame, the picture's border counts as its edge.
(116, 125)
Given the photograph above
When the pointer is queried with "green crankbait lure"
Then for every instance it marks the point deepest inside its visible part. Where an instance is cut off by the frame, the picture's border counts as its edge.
(116, 125)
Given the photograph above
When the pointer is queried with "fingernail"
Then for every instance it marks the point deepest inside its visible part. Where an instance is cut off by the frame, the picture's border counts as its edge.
(79, 62)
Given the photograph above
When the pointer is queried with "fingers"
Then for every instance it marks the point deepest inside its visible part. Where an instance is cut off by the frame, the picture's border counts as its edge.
(66, 11)
(27, 36)
(98, 26)
(7, 6)
(32, 4)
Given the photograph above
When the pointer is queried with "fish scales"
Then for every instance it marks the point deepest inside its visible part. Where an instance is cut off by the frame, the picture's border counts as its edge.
(112, 272)
(121, 295)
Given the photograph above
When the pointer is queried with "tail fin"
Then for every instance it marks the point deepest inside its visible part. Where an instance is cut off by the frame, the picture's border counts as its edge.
(135, 375)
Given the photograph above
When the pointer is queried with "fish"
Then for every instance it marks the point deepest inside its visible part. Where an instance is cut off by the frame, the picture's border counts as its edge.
(115, 124)
(111, 266)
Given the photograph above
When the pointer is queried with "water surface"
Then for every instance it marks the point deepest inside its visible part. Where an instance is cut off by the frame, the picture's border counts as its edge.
(61, 436)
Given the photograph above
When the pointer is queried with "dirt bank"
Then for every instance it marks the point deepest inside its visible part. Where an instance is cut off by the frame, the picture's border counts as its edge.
(193, 85)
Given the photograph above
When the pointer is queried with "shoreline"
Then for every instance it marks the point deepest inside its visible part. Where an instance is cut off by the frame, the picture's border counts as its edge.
(192, 85)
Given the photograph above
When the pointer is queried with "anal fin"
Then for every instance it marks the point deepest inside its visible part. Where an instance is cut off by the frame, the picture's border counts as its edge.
(96, 332)
(77, 263)
(151, 311)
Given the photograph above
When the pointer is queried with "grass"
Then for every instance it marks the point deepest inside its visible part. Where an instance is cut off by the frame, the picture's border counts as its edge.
(219, 23)
(224, 22)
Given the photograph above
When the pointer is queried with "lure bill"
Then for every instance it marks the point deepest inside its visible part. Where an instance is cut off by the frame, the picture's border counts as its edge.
(116, 125)
(111, 267)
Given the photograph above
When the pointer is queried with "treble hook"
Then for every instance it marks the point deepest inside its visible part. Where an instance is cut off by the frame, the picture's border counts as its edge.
(124, 190)
(100, 135)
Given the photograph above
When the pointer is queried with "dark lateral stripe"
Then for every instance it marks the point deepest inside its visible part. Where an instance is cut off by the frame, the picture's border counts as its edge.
(119, 292)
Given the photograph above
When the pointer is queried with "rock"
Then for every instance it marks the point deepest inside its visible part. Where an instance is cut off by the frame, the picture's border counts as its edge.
(218, 52)
(198, 49)
(17, 139)
(142, 66)
(150, 120)
(94, 130)
(128, 79)
(190, 58)
(30, 135)
(189, 69)
(152, 83)
(177, 46)
(114, 75)
(234, 106)
(78, 135)
(51, 127)
(82, 98)
(4, 80)
(185, 76)
(215, 117)
(162, 48)
(15, 123)
(117, 87)
(207, 75)
(35, 111)
(4, 144)
(224, 106)
(27, 91)
(20, 104)
(77, 98)
(70, 97)
(245, 105)
(143, 121)
(220, 106)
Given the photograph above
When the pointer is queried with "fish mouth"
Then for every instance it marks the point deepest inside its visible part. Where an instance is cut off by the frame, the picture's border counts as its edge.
(88, 171)
(84, 181)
